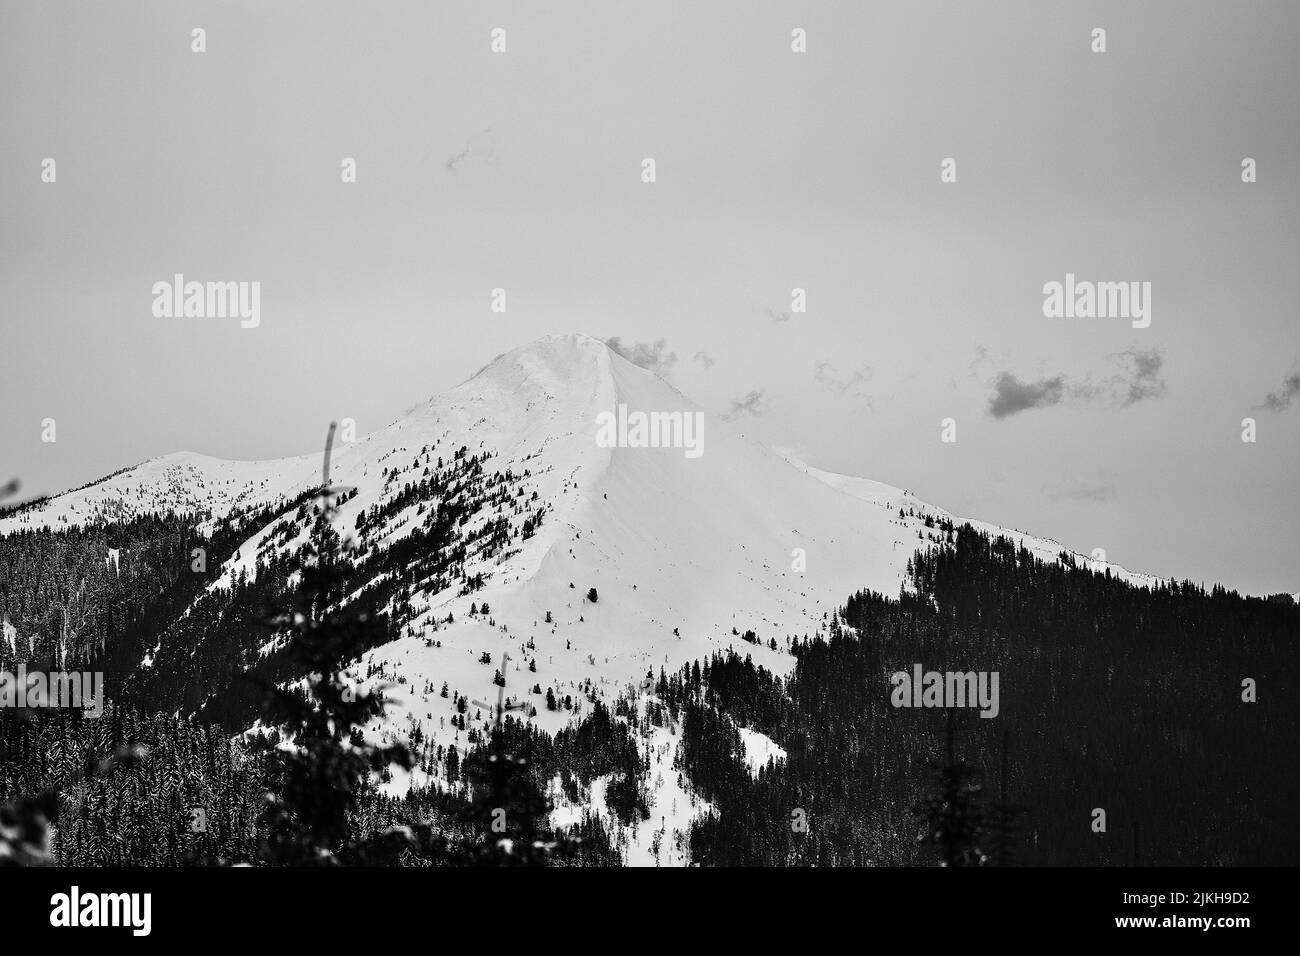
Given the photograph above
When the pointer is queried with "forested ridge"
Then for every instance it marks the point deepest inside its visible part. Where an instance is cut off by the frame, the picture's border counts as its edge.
(167, 790)
(136, 599)
(1112, 696)
(1116, 697)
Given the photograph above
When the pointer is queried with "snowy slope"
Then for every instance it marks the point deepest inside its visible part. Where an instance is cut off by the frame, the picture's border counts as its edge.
(893, 499)
(184, 482)
(680, 551)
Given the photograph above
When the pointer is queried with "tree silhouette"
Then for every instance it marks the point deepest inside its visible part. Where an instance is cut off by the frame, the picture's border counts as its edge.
(307, 821)
(951, 817)
(1003, 821)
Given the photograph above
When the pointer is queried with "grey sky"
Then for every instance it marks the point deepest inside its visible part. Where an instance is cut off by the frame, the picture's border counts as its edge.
(775, 171)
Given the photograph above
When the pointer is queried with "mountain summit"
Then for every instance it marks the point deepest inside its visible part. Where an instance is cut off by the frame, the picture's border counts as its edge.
(493, 520)
(684, 553)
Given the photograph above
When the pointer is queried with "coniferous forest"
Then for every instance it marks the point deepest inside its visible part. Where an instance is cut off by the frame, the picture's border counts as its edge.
(1116, 698)
(1113, 697)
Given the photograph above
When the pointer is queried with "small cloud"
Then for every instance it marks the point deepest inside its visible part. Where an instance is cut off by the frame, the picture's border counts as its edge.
(1081, 491)
(480, 146)
(981, 358)
(454, 160)
(655, 357)
(1140, 378)
(828, 378)
(704, 359)
(754, 403)
(1011, 395)
(1281, 400)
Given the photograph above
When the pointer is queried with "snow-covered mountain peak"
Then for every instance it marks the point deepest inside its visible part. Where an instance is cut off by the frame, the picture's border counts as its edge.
(503, 516)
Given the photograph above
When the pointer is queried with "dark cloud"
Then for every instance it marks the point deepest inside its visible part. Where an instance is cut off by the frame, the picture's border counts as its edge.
(655, 357)
(1280, 401)
(1010, 395)
(1136, 378)
(752, 404)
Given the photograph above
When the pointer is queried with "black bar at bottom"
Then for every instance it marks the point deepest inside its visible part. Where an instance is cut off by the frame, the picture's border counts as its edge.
(396, 907)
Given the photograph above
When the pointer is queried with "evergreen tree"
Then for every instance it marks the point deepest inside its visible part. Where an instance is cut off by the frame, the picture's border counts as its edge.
(307, 821)
(1003, 820)
(950, 816)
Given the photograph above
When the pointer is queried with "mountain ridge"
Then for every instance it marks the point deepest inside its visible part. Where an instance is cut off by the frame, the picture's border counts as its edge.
(686, 556)
(489, 521)
(183, 475)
